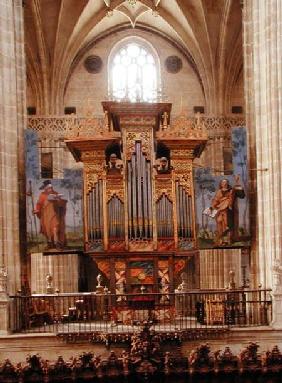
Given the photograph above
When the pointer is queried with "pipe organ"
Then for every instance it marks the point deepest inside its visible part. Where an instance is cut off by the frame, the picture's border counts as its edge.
(138, 192)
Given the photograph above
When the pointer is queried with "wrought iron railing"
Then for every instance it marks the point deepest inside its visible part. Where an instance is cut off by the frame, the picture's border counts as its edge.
(208, 311)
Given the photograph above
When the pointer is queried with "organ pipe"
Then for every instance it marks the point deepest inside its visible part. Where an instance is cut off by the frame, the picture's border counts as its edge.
(139, 167)
(95, 212)
(149, 199)
(134, 194)
(145, 199)
(129, 199)
(115, 218)
(139, 195)
(164, 217)
(184, 212)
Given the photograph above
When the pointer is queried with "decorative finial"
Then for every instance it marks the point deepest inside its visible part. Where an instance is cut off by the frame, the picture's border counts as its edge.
(99, 280)
(231, 285)
(49, 284)
(198, 116)
(107, 127)
(165, 121)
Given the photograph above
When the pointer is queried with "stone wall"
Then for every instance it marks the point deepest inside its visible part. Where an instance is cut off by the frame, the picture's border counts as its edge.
(85, 89)
(215, 266)
(12, 109)
(64, 270)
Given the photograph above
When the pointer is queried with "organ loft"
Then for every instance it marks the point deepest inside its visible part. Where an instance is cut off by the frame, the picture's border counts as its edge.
(139, 213)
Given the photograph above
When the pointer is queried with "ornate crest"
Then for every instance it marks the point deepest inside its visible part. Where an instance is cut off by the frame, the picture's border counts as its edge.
(144, 136)
(94, 168)
(184, 127)
(163, 186)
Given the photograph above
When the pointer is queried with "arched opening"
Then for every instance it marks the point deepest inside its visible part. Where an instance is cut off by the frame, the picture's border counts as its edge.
(134, 72)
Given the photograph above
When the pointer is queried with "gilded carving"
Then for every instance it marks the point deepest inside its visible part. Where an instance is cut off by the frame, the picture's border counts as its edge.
(163, 186)
(138, 135)
(97, 156)
(183, 154)
(184, 127)
(118, 192)
(91, 180)
(186, 181)
(114, 188)
(137, 121)
(182, 168)
(140, 245)
(93, 168)
(67, 127)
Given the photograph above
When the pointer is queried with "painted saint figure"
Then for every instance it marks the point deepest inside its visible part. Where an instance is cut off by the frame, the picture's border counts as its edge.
(51, 210)
(225, 209)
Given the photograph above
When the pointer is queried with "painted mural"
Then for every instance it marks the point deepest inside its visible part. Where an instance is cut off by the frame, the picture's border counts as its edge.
(141, 272)
(53, 206)
(222, 202)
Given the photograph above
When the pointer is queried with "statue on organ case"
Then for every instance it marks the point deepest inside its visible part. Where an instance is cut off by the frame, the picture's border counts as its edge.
(163, 166)
(115, 164)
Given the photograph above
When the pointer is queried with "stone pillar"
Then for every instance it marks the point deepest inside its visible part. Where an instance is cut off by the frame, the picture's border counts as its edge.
(63, 268)
(263, 90)
(263, 68)
(215, 265)
(12, 108)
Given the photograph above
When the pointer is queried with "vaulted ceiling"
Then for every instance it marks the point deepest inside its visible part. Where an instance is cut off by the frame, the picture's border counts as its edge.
(209, 32)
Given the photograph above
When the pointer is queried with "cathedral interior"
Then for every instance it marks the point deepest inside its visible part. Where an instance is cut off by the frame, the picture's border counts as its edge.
(140, 190)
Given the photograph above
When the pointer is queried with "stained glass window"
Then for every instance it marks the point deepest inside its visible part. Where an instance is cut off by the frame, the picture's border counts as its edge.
(134, 74)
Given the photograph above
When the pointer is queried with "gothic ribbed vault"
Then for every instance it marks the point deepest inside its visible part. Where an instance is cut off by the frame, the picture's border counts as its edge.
(56, 32)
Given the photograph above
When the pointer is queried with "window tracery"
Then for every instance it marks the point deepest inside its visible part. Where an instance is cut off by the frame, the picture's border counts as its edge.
(134, 73)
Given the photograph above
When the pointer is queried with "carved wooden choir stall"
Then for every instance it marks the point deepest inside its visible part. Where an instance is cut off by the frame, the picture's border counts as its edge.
(139, 214)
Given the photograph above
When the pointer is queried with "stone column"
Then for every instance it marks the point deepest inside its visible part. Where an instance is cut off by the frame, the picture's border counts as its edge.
(263, 90)
(12, 108)
(63, 268)
(215, 265)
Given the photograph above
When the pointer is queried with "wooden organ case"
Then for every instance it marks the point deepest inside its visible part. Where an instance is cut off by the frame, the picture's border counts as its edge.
(139, 214)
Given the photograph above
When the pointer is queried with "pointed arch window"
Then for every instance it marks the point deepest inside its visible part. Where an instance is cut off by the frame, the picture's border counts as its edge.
(134, 73)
